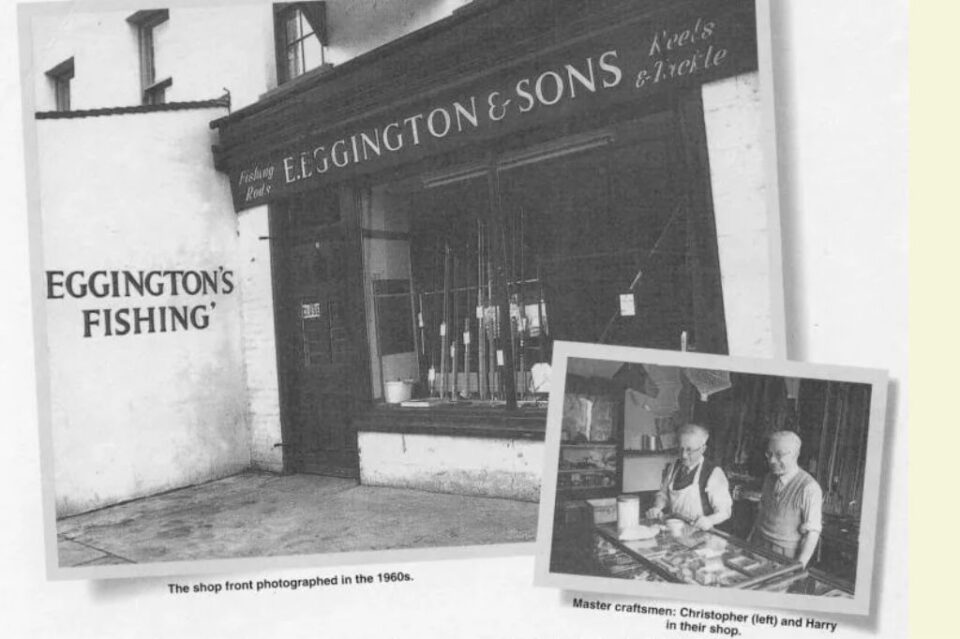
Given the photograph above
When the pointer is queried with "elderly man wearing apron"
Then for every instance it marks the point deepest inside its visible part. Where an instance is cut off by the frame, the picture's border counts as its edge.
(789, 518)
(691, 487)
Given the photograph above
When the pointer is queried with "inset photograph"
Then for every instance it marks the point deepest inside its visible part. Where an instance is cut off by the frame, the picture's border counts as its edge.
(715, 479)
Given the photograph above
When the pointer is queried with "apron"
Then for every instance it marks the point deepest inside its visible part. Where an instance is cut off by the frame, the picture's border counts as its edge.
(685, 502)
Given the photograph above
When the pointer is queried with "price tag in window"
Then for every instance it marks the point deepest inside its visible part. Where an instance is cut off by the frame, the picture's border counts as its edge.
(431, 374)
(420, 320)
(466, 337)
(443, 329)
(453, 350)
(628, 305)
(479, 312)
(499, 357)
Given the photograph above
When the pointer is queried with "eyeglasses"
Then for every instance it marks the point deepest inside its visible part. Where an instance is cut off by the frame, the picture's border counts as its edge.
(780, 455)
(692, 451)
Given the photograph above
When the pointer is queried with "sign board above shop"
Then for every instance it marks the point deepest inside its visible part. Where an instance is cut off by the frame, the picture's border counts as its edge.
(684, 46)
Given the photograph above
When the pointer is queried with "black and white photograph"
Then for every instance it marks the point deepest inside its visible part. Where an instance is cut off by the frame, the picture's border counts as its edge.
(713, 478)
(299, 268)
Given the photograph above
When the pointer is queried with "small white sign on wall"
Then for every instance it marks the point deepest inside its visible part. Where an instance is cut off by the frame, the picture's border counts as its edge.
(628, 305)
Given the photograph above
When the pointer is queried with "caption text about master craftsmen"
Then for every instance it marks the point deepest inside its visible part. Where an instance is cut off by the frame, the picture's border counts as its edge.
(709, 622)
(259, 585)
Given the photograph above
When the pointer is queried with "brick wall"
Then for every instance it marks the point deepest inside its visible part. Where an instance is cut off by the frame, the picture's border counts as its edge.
(259, 344)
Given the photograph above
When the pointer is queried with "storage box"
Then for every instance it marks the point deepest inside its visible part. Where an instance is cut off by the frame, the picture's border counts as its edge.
(604, 510)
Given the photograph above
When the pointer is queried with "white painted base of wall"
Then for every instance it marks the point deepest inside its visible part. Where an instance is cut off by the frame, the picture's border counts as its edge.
(486, 467)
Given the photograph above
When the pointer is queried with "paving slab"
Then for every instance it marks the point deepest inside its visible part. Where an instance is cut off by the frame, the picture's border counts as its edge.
(261, 514)
(71, 553)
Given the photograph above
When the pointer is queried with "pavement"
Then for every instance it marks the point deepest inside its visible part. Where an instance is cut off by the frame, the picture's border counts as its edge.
(257, 514)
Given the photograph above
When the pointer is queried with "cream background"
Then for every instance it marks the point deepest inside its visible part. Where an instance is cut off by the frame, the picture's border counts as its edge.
(842, 117)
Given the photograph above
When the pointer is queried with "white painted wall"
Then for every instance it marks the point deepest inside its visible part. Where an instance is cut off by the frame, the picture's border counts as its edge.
(733, 118)
(644, 473)
(357, 26)
(204, 50)
(488, 467)
(259, 339)
(237, 54)
(137, 414)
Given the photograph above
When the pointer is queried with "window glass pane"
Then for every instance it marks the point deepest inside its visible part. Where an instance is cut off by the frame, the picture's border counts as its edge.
(312, 53)
(62, 88)
(305, 28)
(294, 61)
(292, 26)
(579, 230)
(147, 74)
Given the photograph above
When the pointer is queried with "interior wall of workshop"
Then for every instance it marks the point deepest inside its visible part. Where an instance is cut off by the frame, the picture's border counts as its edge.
(487, 467)
(739, 183)
(383, 210)
(138, 414)
(104, 47)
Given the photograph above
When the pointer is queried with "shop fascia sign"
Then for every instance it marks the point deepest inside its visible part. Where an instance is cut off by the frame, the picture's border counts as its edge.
(629, 63)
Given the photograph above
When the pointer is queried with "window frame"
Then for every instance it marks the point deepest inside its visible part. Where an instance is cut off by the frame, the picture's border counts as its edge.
(61, 75)
(312, 23)
(152, 91)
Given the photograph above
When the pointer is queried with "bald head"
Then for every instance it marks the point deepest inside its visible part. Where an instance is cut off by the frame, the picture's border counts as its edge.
(693, 441)
(783, 448)
(694, 430)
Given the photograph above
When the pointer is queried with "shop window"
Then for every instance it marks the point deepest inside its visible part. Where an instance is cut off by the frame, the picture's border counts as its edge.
(152, 89)
(300, 30)
(478, 269)
(60, 77)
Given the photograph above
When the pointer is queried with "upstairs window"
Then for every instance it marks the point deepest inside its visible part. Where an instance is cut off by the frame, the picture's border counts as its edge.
(152, 90)
(300, 29)
(60, 76)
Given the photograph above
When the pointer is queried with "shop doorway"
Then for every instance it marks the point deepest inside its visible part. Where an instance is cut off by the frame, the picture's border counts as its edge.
(324, 383)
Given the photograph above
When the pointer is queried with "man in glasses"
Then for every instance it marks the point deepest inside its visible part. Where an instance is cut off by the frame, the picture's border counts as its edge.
(789, 518)
(691, 487)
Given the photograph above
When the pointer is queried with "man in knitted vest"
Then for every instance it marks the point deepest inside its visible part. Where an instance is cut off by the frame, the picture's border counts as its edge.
(789, 519)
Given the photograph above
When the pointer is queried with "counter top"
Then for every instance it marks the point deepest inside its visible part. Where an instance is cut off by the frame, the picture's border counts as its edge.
(706, 558)
(711, 558)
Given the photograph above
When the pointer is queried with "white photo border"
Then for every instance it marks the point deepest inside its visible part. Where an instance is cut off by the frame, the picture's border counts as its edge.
(868, 542)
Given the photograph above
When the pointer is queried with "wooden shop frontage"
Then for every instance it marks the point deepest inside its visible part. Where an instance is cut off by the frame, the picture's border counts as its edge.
(445, 207)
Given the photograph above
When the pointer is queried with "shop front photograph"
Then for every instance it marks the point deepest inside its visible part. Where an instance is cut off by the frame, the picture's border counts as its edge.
(301, 266)
(763, 485)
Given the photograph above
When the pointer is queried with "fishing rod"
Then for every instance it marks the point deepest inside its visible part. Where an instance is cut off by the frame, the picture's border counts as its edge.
(444, 339)
(452, 328)
(522, 317)
(481, 336)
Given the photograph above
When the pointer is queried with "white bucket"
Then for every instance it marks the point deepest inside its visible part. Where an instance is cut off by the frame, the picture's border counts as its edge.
(397, 391)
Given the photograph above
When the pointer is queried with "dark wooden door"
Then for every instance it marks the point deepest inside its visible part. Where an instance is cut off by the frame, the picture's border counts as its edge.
(326, 369)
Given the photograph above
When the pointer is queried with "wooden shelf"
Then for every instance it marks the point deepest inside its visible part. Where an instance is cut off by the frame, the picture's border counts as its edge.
(596, 445)
(587, 470)
(650, 453)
